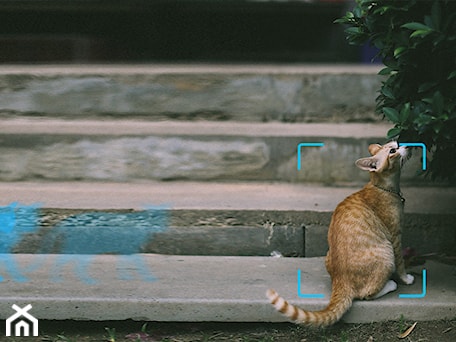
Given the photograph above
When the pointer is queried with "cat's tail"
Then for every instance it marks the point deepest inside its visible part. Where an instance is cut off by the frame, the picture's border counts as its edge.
(339, 303)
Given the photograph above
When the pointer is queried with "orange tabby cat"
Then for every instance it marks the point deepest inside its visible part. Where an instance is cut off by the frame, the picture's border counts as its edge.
(364, 241)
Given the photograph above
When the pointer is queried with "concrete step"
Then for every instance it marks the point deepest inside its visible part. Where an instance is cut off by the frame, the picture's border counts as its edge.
(189, 218)
(194, 288)
(179, 195)
(306, 93)
(131, 150)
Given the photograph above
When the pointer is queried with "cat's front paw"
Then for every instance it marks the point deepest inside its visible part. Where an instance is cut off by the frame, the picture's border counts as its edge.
(408, 279)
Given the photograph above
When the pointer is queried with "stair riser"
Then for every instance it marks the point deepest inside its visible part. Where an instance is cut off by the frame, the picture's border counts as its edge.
(196, 157)
(277, 94)
(154, 232)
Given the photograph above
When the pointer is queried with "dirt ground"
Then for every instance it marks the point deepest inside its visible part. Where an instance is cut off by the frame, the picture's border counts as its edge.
(130, 331)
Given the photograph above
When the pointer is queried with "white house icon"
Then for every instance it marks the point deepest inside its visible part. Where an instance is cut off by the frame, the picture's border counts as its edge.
(22, 325)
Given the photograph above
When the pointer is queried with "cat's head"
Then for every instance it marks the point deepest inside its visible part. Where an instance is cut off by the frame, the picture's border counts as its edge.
(390, 156)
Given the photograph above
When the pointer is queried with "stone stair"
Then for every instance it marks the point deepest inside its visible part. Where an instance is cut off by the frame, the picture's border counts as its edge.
(127, 123)
(252, 93)
(185, 160)
(148, 287)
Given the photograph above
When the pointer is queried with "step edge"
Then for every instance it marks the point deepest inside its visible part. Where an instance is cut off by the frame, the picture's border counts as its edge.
(124, 127)
(157, 69)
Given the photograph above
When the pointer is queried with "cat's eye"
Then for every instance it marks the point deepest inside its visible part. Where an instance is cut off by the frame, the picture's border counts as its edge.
(393, 150)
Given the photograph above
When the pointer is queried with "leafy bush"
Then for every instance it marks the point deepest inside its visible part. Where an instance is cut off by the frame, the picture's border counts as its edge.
(416, 40)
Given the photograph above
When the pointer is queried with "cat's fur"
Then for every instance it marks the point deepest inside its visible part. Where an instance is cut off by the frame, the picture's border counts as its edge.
(364, 241)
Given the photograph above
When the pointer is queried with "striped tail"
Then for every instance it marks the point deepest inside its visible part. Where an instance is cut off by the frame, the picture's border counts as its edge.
(339, 303)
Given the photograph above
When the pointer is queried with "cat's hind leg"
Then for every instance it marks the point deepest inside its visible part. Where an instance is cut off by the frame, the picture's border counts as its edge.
(373, 280)
(390, 286)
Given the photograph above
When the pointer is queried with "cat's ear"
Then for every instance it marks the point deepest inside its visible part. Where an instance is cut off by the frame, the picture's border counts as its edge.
(367, 164)
(374, 148)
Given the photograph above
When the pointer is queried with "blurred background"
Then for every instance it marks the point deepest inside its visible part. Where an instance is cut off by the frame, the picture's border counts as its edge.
(85, 31)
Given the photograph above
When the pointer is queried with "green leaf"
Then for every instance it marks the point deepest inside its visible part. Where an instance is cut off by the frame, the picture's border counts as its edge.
(392, 63)
(451, 75)
(357, 12)
(416, 26)
(385, 71)
(349, 15)
(399, 51)
(388, 93)
(391, 114)
(427, 100)
(343, 20)
(420, 29)
(382, 10)
(404, 113)
(393, 132)
(353, 30)
(420, 33)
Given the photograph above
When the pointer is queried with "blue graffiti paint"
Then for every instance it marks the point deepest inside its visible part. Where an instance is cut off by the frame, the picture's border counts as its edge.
(11, 268)
(18, 272)
(127, 272)
(80, 264)
(123, 234)
(106, 233)
(7, 219)
(15, 221)
(78, 239)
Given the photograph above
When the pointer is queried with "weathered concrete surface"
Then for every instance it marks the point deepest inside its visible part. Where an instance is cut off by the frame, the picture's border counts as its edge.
(305, 237)
(133, 158)
(201, 218)
(243, 93)
(123, 150)
(426, 234)
(178, 288)
(229, 241)
(208, 196)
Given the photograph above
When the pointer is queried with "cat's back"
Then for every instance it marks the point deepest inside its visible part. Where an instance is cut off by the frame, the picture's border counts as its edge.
(358, 205)
(356, 217)
(364, 213)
